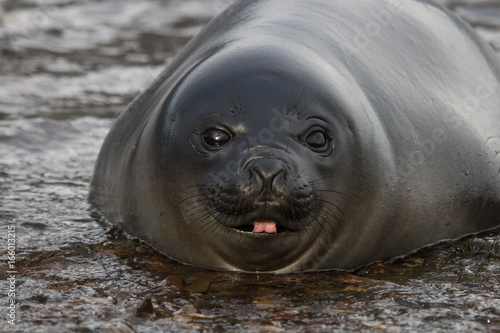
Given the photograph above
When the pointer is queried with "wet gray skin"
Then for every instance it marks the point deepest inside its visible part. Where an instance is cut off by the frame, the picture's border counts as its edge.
(352, 148)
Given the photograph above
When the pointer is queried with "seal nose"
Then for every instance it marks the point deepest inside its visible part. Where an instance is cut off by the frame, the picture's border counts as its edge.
(267, 170)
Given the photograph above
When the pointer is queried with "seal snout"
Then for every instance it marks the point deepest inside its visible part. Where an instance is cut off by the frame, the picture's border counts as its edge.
(265, 173)
(266, 196)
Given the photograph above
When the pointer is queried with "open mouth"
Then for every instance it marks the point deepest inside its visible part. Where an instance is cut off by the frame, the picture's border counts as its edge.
(262, 227)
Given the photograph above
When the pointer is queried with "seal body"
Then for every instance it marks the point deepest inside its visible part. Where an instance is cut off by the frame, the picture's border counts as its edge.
(294, 135)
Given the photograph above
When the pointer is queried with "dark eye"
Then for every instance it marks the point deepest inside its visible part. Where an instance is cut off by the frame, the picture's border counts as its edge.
(215, 138)
(317, 140)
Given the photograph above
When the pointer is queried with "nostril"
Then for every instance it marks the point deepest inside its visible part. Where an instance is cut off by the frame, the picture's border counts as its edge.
(267, 169)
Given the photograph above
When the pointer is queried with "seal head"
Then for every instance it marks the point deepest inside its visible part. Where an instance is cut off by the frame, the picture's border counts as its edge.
(262, 153)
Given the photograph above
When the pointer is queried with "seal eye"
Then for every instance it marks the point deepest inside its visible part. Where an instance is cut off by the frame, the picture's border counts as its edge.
(317, 140)
(215, 138)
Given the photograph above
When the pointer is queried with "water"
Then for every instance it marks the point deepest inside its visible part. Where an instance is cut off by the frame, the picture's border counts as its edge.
(68, 67)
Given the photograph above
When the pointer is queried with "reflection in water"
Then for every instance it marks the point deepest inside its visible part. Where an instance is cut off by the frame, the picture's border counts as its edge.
(68, 68)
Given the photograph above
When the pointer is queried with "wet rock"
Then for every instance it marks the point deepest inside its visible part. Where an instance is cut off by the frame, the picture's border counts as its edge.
(215, 287)
(285, 315)
(146, 308)
(172, 281)
(488, 247)
(120, 327)
(42, 299)
(187, 309)
(266, 303)
(198, 282)
(198, 287)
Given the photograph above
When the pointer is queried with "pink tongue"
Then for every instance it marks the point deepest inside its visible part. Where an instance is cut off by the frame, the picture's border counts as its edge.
(268, 227)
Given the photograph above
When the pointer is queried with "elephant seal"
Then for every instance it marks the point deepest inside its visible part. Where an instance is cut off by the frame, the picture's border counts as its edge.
(294, 135)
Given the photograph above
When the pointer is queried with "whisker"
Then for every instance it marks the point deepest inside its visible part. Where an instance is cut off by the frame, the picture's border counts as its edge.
(333, 217)
(208, 220)
(305, 169)
(187, 198)
(318, 179)
(193, 209)
(331, 191)
(311, 233)
(195, 217)
(332, 204)
(302, 92)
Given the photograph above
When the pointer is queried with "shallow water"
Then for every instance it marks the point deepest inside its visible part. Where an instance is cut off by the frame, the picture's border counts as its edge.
(67, 68)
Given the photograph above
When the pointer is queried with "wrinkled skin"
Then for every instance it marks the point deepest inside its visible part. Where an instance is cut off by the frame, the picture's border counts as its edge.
(304, 135)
